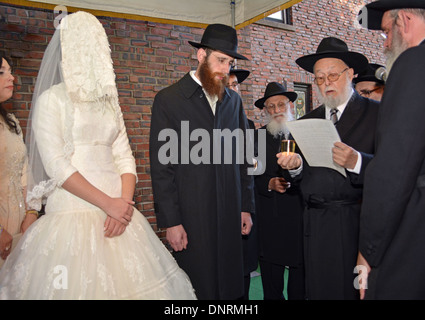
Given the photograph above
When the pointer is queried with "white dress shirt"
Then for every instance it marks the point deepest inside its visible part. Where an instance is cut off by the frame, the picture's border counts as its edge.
(211, 99)
(341, 109)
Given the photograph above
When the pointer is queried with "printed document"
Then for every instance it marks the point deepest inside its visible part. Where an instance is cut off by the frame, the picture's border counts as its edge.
(315, 138)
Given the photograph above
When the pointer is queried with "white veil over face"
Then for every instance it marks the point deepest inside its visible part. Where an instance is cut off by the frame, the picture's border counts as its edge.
(78, 56)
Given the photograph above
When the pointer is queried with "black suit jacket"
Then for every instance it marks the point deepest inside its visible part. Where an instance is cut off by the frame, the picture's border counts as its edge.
(356, 128)
(279, 215)
(392, 232)
(331, 232)
(206, 198)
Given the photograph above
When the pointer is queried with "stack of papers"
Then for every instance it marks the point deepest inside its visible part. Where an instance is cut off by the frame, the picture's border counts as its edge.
(316, 138)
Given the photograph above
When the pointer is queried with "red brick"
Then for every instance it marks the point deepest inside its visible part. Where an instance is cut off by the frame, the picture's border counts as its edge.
(149, 56)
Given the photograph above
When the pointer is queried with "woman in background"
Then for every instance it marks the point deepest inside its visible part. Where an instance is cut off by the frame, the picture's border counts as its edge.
(13, 160)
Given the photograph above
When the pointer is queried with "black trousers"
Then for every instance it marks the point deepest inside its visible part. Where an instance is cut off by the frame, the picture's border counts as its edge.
(272, 277)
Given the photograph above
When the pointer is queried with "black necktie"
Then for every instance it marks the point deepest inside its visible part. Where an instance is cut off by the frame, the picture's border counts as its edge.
(334, 117)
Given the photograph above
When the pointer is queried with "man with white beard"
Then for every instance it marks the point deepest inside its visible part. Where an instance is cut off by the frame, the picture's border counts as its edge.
(279, 205)
(392, 225)
(332, 212)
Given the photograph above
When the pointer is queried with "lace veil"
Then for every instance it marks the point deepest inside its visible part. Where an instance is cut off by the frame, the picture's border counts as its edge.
(79, 56)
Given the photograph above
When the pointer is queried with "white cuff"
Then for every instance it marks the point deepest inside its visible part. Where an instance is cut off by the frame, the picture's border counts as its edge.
(358, 165)
(295, 172)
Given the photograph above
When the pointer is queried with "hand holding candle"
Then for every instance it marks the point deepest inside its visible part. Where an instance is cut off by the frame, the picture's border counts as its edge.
(287, 146)
(287, 158)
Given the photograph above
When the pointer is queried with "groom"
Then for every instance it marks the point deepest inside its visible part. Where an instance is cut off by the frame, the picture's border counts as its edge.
(207, 206)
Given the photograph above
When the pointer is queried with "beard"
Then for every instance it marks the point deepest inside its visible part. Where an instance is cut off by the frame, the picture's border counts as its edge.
(213, 86)
(277, 124)
(334, 102)
(398, 46)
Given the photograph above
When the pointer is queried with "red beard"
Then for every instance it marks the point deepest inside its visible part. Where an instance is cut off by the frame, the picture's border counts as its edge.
(212, 85)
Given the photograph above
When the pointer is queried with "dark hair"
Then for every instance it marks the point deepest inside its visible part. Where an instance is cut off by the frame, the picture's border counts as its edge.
(3, 112)
(208, 51)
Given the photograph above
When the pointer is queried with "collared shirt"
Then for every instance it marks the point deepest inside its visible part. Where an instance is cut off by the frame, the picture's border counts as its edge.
(341, 109)
(212, 100)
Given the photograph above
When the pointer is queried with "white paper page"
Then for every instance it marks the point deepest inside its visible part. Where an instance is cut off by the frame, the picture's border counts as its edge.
(316, 138)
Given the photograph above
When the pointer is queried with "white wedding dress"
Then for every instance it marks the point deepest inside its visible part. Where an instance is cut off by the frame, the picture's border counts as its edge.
(64, 254)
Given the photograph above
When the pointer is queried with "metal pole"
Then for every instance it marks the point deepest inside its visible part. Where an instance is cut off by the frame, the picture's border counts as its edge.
(232, 7)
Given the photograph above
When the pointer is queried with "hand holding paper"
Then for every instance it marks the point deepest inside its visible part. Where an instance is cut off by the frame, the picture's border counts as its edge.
(344, 155)
(316, 138)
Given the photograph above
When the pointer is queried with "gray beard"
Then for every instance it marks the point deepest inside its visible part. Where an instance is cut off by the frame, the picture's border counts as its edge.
(334, 102)
(398, 46)
(278, 128)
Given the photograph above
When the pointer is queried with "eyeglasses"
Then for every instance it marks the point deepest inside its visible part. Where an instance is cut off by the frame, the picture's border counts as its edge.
(331, 77)
(281, 106)
(224, 60)
(366, 93)
(233, 86)
(388, 28)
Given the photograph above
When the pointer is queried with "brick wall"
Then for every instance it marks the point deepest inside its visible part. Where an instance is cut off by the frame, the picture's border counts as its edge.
(274, 51)
(150, 56)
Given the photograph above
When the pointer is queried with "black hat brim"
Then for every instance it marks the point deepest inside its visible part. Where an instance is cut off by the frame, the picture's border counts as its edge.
(240, 74)
(354, 60)
(292, 96)
(228, 52)
(369, 74)
(374, 11)
(367, 78)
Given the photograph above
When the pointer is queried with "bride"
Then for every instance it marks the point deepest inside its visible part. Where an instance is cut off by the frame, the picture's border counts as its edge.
(91, 243)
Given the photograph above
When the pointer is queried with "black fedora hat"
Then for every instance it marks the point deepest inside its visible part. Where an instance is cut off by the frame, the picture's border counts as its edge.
(222, 38)
(240, 74)
(370, 16)
(275, 89)
(369, 74)
(334, 48)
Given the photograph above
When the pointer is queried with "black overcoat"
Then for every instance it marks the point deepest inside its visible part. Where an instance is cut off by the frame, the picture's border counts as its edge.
(392, 228)
(206, 198)
(332, 212)
(279, 215)
(249, 242)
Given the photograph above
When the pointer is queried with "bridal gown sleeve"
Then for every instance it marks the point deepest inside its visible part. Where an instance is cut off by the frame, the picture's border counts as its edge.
(122, 152)
(49, 129)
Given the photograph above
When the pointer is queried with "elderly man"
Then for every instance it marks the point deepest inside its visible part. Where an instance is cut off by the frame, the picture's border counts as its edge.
(279, 205)
(368, 85)
(392, 225)
(204, 201)
(332, 212)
